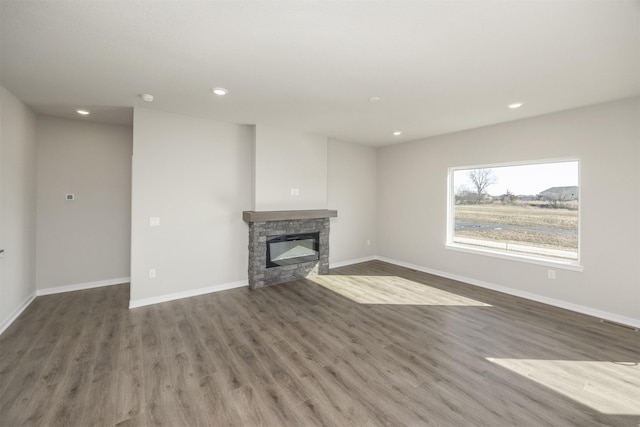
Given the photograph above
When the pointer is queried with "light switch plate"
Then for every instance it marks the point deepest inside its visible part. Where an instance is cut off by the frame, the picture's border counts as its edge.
(154, 221)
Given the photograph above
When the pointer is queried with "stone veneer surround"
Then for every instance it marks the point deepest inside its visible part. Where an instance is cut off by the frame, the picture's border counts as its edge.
(273, 224)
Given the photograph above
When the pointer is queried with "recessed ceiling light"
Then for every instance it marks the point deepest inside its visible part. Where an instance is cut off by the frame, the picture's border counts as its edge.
(375, 99)
(515, 105)
(397, 133)
(147, 97)
(219, 91)
(83, 112)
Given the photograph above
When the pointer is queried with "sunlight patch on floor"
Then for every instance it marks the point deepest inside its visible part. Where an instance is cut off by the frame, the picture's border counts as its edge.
(391, 290)
(607, 387)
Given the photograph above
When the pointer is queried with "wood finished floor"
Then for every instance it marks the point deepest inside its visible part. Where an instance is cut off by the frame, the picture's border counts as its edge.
(372, 344)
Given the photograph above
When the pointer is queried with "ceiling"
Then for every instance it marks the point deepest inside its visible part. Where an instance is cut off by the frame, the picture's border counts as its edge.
(439, 66)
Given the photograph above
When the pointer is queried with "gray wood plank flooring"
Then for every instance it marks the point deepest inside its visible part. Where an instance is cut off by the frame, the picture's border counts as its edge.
(371, 344)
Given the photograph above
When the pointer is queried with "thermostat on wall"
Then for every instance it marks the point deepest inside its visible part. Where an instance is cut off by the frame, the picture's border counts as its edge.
(70, 197)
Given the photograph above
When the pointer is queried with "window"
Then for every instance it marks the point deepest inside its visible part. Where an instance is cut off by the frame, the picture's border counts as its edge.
(525, 211)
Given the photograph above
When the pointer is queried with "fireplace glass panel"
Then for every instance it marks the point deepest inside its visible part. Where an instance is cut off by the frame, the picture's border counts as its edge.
(292, 249)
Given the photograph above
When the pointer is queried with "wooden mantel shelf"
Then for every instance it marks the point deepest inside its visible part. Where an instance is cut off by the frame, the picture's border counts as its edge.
(264, 216)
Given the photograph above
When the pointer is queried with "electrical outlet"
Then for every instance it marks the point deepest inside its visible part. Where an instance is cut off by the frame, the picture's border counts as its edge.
(152, 273)
(154, 221)
(551, 274)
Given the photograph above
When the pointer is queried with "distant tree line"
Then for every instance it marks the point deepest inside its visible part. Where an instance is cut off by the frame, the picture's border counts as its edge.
(482, 179)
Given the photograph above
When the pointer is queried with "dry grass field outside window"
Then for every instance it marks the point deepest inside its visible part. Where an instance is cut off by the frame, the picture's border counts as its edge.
(521, 224)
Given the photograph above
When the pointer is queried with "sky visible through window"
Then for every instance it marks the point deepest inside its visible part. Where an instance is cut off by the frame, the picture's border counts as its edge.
(524, 179)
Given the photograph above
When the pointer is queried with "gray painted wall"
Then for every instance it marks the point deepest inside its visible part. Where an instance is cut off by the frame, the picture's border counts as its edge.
(17, 205)
(285, 159)
(195, 175)
(88, 239)
(352, 180)
(412, 197)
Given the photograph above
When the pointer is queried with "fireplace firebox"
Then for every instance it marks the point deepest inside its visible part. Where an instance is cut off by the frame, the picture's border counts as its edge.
(289, 249)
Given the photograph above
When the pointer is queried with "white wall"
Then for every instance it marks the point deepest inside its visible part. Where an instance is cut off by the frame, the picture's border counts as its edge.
(285, 159)
(413, 192)
(195, 175)
(86, 240)
(17, 206)
(352, 181)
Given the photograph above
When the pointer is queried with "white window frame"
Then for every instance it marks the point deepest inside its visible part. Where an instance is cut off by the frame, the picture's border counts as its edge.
(567, 264)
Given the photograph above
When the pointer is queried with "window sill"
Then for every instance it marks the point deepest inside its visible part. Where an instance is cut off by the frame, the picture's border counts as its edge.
(530, 259)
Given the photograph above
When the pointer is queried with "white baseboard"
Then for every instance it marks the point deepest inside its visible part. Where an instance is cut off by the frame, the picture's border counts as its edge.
(351, 261)
(635, 323)
(17, 312)
(186, 294)
(82, 286)
(605, 315)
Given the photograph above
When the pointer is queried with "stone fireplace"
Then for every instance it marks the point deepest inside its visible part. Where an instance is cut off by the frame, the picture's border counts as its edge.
(287, 245)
